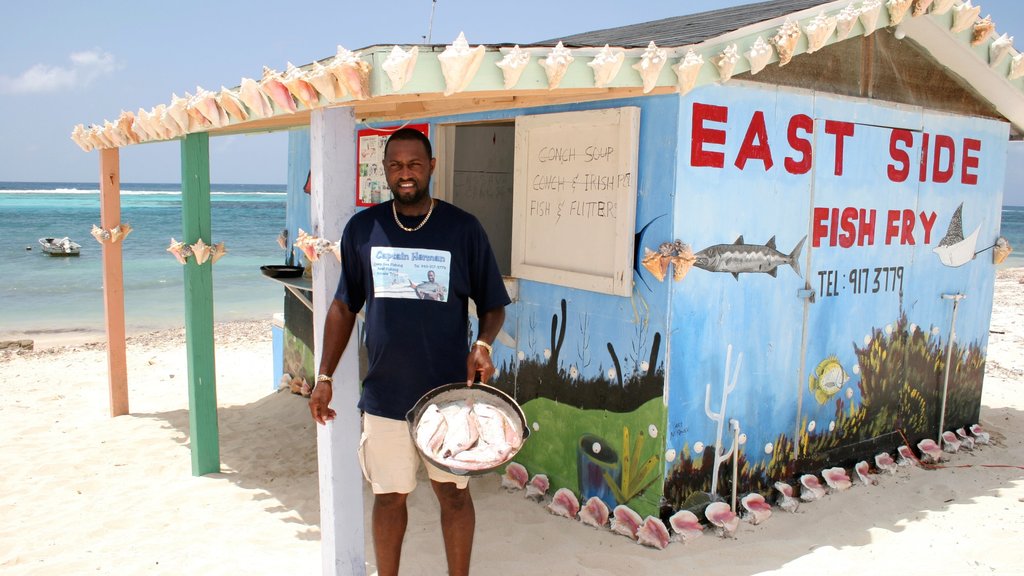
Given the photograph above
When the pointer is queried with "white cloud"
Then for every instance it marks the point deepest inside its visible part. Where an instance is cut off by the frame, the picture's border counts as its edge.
(85, 68)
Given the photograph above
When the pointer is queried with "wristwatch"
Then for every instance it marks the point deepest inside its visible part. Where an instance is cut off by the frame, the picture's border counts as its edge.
(324, 378)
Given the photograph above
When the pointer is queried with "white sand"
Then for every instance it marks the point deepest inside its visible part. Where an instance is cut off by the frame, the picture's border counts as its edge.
(83, 493)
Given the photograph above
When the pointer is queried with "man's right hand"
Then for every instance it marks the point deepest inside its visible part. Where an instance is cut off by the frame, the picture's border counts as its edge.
(319, 403)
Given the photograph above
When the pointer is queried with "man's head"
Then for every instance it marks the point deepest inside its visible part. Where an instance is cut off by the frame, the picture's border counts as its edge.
(430, 275)
(408, 165)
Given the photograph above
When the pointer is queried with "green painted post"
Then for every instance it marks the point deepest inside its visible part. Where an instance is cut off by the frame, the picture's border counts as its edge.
(202, 385)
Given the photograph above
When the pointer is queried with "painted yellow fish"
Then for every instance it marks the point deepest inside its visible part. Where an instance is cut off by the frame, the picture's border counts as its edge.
(828, 379)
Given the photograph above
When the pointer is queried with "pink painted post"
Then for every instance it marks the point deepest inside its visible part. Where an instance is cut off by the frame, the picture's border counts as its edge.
(113, 281)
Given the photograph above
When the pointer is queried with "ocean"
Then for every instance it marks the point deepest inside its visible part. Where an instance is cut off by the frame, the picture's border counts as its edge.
(40, 294)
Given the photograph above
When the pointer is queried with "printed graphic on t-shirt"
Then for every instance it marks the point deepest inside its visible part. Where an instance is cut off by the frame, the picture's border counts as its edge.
(410, 273)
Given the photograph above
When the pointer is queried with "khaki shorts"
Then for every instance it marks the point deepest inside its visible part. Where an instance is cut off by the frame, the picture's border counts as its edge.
(390, 460)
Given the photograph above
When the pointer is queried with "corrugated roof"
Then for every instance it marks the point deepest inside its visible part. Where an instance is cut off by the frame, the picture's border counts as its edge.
(684, 30)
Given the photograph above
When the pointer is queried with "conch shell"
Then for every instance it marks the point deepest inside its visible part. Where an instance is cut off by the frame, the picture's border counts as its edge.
(459, 63)
(845, 21)
(726, 61)
(513, 64)
(216, 252)
(964, 16)
(231, 105)
(196, 120)
(321, 79)
(556, 63)
(205, 102)
(869, 12)
(180, 250)
(120, 232)
(655, 263)
(176, 113)
(201, 250)
(100, 234)
(250, 94)
(687, 70)
(125, 121)
(399, 66)
(818, 31)
(920, 7)
(679, 255)
(295, 80)
(606, 65)
(759, 54)
(897, 10)
(1016, 67)
(1001, 251)
(940, 7)
(999, 49)
(79, 136)
(352, 73)
(982, 30)
(785, 41)
(272, 84)
(650, 65)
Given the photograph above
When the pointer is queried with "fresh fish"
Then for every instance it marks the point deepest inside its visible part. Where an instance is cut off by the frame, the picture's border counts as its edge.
(737, 258)
(431, 430)
(467, 436)
(463, 432)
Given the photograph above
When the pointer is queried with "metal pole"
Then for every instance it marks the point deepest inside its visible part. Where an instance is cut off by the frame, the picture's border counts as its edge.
(956, 298)
(430, 27)
(735, 425)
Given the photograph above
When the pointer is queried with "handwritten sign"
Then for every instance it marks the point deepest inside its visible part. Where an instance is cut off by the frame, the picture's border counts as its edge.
(575, 198)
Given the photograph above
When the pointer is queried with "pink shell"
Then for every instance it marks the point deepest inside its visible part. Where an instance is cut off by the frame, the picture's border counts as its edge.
(758, 510)
(564, 503)
(625, 521)
(885, 462)
(653, 533)
(907, 457)
(950, 443)
(980, 436)
(719, 514)
(686, 525)
(515, 477)
(538, 487)
(966, 441)
(787, 500)
(930, 451)
(836, 478)
(812, 488)
(594, 512)
(864, 473)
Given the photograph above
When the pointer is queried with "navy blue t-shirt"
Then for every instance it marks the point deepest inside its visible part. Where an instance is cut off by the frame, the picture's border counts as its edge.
(416, 288)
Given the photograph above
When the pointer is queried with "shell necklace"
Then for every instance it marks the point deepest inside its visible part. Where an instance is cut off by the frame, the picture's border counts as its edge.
(394, 211)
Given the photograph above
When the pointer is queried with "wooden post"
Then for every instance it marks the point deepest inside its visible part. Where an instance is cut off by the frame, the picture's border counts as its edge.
(113, 281)
(202, 385)
(333, 167)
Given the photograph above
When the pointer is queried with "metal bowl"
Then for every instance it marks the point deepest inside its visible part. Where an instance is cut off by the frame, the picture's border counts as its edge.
(275, 271)
(459, 392)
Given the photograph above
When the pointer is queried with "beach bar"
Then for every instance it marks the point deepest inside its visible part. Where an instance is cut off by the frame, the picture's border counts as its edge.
(743, 247)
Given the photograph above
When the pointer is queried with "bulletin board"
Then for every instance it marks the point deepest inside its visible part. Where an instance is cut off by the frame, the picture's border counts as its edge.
(574, 207)
(371, 185)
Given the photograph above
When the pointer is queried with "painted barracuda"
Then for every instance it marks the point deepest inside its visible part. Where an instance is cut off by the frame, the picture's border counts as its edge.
(737, 258)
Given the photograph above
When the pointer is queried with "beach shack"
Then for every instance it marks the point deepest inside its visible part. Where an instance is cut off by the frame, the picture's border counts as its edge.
(742, 246)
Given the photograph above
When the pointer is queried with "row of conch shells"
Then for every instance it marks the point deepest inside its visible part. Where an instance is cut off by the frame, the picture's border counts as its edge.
(346, 75)
(115, 234)
(200, 251)
(678, 254)
(313, 247)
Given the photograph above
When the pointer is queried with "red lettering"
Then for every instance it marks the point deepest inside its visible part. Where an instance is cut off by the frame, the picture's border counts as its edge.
(969, 162)
(927, 223)
(849, 225)
(802, 145)
(900, 169)
(867, 228)
(755, 144)
(923, 172)
(892, 226)
(820, 227)
(701, 135)
(907, 233)
(840, 130)
(943, 144)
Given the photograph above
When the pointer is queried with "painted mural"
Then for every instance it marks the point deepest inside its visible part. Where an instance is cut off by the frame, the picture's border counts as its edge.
(847, 351)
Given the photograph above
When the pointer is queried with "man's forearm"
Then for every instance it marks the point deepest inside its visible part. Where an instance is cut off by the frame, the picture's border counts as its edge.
(337, 331)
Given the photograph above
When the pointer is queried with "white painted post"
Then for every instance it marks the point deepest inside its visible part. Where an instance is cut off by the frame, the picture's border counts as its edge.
(333, 194)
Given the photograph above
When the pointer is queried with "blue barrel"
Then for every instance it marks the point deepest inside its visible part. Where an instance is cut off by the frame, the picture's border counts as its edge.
(594, 458)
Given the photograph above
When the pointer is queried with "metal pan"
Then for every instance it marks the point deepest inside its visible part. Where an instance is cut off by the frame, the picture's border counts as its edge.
(459, 392)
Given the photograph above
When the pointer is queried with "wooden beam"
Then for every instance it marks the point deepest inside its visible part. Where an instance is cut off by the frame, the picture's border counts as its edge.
(332, 203)
(113, 281)
(202, 385)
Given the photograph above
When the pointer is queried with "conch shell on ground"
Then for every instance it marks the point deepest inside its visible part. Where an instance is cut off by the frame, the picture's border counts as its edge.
(564, 503)
(606, 65)
(864, 473)
(594, 513)
(811, 488)
(653, 533)
(897, 10)
(723, 518)
(515, 477)
(625, 521)
(556, 63)
(400, 65)
(687, 70)
(883, 461)
(836, 478)
(685, 525)
(650, 65)
(726, 62)
(964, 16)
(869, 12)
(785, 41)
(966, 440)
(931, 453)
(538, 486)
(512, 65)
(459, 63)
(950, 443)
(788, 500)
(759, 54)
(757, 509)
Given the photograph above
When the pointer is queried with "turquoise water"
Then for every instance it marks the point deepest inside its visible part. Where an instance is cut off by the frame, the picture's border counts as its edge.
(43, 294)
(1013, 230)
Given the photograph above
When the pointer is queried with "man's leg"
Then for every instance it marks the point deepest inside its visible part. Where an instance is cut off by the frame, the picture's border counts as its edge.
(458, 522)
(390, 517)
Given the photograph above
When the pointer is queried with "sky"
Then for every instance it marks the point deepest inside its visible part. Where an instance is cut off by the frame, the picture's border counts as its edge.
(65, 62)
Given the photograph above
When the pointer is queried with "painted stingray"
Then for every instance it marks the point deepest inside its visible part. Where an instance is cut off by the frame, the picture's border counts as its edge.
(737, 258)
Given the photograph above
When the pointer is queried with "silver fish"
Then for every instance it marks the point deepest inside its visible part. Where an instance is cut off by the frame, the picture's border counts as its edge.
(737, 258)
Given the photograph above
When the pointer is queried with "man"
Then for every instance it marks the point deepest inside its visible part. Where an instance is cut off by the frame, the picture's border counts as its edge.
(413, 345)
(430, 290)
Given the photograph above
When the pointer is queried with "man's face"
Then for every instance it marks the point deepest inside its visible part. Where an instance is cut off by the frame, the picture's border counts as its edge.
(430, 275)
(408, 169)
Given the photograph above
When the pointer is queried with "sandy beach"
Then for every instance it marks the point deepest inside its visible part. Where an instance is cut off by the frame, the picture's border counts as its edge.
(82, 492)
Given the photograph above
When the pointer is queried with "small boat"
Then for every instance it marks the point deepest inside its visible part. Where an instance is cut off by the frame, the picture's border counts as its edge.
(60, 246)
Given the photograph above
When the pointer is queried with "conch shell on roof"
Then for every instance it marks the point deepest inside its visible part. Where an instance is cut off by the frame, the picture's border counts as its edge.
(459, 63)
(785, 41)
(964, 16)
(920, 7)
(650, 65)
(819, 30)
(512, 65)
(897, 10)
(556, 63)
(940, 7)
(295, 80)
(113, 133)
(999, 49)
(399, 66)
(125, 124)
(687, 70)
(205, 102)
(726, 61)
(321, 79)
(176, 118)
(845, 21)
(232, 105)
(759, 54)
(869, 12)
(352, 73)
(254, 99)
(1016, 67)
(606, 65)
(982, 30)
(272, 84)
(80, 136)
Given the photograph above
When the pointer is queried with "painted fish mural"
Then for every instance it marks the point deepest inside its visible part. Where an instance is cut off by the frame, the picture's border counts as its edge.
(828, 379)
(737, 258)
(954, 250)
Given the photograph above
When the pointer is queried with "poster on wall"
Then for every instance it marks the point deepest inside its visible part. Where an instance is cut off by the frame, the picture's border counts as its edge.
(371, 185)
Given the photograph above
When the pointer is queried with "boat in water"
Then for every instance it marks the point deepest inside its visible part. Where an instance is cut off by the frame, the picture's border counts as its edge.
(60, 246)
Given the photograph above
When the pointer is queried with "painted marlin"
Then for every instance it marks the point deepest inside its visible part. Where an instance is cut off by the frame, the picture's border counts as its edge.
(738, 257)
